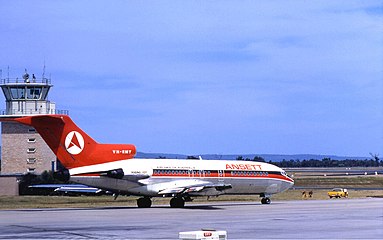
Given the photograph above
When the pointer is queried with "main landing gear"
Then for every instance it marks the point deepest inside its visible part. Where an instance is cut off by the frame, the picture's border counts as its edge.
(144, 202)
(175, 202)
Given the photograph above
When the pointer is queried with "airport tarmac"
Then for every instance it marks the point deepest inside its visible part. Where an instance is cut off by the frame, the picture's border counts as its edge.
(306, 219)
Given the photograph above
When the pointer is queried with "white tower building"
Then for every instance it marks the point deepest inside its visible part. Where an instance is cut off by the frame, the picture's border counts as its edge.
(23, 149)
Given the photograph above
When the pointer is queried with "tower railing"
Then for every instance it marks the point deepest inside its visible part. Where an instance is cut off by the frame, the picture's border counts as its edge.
(46, 81)
(33, 112)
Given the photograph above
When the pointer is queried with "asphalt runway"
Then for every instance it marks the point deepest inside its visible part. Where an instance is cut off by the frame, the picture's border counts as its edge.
(310, 219)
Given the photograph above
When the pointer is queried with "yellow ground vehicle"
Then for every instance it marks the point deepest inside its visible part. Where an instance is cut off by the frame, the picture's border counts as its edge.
(338, 193)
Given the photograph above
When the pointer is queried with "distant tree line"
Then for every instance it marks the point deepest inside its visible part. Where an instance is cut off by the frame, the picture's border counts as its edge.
(256, 158)
(328, 162)
(325, 162)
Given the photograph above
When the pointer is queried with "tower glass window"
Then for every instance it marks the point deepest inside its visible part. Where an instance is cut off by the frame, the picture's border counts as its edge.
(33, 92)
(18, 92)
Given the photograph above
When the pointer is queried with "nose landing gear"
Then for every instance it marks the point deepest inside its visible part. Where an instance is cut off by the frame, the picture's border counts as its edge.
(265, 200)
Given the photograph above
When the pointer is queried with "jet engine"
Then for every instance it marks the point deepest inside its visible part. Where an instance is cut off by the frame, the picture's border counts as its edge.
(116, 173)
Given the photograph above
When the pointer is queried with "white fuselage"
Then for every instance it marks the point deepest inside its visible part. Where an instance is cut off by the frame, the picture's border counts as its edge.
(150, 177)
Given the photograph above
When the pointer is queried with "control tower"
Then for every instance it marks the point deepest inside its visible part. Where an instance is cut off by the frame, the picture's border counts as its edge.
(23, 150)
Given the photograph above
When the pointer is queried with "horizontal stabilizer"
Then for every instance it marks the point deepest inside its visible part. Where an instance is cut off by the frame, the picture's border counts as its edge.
(79, 188)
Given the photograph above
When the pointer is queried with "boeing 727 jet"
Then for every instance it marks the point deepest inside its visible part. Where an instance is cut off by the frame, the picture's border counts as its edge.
(113, 167)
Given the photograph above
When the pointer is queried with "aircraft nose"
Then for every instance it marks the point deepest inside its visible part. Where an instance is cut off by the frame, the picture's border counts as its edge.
(289, 184)
(286, 185)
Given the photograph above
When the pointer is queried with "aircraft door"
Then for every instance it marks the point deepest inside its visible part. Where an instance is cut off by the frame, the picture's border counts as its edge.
(221, 175)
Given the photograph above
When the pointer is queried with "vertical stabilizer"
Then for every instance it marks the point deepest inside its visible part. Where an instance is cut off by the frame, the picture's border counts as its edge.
(72, 146)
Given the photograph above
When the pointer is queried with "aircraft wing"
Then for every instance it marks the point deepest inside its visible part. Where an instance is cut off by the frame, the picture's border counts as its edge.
(204, 189)
(85, 189)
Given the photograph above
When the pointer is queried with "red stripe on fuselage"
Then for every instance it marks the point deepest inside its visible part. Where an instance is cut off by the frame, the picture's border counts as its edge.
(218, 175)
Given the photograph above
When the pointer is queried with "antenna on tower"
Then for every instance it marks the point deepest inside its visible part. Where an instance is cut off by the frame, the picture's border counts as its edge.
(44, 71)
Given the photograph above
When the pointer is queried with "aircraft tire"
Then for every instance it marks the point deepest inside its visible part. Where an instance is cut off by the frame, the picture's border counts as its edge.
(265, 200)
(177, 202)
(144, 202)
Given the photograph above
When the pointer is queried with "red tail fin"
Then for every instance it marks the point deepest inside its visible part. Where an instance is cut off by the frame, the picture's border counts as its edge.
(72, 146)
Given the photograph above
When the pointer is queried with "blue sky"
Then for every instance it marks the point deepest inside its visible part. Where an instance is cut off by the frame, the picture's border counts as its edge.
(198, 77)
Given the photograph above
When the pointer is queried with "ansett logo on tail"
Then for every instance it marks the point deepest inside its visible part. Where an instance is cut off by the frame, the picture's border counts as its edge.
(74, 143)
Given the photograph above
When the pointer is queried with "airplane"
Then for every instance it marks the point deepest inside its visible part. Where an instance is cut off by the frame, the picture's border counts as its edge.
(113, 167)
